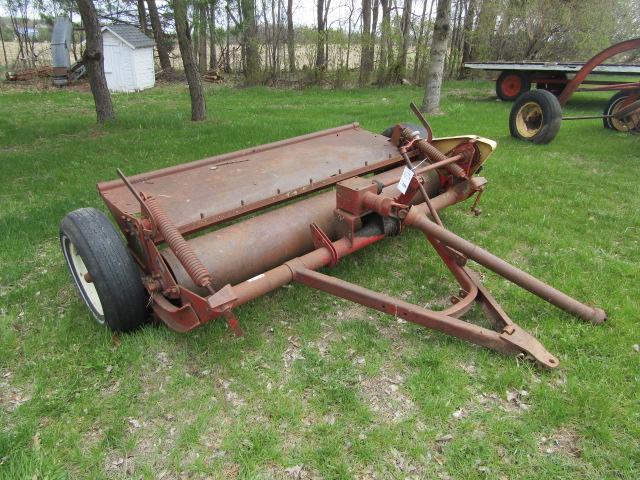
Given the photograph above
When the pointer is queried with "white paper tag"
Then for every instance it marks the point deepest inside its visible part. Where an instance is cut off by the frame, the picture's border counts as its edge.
(405, 180)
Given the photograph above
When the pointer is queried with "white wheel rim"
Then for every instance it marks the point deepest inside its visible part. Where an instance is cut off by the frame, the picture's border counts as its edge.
(79, 271)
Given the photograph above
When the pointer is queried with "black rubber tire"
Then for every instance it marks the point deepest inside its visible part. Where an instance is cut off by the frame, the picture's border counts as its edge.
(549, 122)
(89, 234)
(555, 88)
(611, 104)
(525, 85)
(411, 126)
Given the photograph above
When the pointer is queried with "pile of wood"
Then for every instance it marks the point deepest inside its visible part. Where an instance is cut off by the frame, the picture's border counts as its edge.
(30, 73)
(212, 76)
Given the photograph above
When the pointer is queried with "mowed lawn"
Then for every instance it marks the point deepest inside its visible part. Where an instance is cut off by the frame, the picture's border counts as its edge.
(319, 387)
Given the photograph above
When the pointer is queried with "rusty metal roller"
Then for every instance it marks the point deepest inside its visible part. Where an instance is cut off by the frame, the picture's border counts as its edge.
(182, 250)
(435, 155)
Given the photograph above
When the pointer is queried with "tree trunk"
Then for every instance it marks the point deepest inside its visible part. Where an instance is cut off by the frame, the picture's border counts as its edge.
(291, 42)
(273, 39)
(227, 55)
(142, 17)
(452, 45)
(350, 31)
(280, 36)
(327, 4)
(202, 38)
(485, 30)
(405, 27)
(213, 56)
(31, 40)
(17, 35)
(468, 38)
(416, 65)
(458, 37)
(198, 105)
(268, 34)
(94, 61)
(391, 38)
(320, 59)
(158, 35)
(250, 39)
(385, 39)
(4, 50)
(374, 28)
(266, 44)
(431, 101)
(505, 21)
(365, 66)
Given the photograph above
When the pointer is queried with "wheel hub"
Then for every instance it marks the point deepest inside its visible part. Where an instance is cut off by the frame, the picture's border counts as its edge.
(83, 279)
(529, 120)
(625, 124)
(512, 85)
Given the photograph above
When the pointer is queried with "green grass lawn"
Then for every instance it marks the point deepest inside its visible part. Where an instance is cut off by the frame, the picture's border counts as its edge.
(319, 387)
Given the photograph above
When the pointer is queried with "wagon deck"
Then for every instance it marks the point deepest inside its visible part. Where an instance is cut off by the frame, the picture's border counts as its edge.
(563, 67)
(518, 77)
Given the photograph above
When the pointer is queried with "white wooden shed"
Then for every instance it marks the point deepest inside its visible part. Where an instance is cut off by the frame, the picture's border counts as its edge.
(128, 58)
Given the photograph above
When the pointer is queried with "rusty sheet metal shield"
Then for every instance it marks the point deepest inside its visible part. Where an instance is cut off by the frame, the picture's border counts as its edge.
(244, 249)
(206, 192)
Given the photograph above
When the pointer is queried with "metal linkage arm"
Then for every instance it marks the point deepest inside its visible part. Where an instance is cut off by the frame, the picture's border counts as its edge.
(510, 341)
(508, 271)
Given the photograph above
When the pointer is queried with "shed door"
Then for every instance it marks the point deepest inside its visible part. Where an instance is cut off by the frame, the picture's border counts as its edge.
(111, 56)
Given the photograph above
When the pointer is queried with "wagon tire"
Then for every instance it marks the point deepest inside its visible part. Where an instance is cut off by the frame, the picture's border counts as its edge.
(615, 104)
(411, 126)
(103, 270)
(511, 84)
(535, 117)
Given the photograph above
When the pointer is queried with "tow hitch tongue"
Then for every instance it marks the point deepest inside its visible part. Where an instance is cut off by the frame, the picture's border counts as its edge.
(381, 187)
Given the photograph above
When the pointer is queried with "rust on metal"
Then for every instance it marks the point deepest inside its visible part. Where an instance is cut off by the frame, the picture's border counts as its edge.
(194, 279)
(504, 269)
(423, 121)
(271, 238)
(204, 193)
(593, 62)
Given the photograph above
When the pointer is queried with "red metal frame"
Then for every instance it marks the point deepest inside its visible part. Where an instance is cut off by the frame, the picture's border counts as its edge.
(365, 211)
(593, 62)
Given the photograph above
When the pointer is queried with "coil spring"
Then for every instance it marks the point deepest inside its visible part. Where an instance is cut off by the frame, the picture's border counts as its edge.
(435, 155)
(182, 250)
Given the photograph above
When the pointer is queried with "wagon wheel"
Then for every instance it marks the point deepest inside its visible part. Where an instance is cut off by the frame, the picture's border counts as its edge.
(511, 84)
(104, 272)
(618, 102)
(535, 117)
